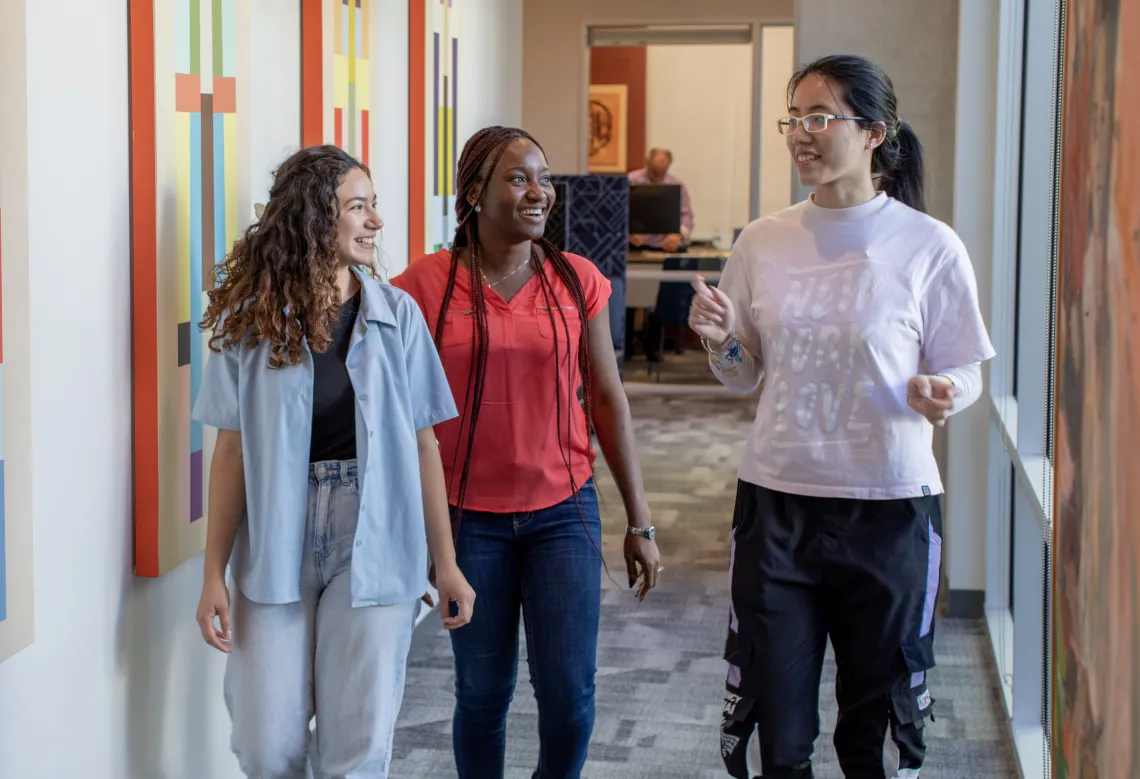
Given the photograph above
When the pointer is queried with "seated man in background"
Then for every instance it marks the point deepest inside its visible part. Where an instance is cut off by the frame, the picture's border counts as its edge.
(656, 171)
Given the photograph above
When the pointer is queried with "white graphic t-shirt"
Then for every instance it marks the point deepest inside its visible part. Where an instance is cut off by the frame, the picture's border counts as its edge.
(843, 306)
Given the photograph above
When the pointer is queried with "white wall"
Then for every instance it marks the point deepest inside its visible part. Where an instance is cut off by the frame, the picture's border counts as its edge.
(916, 43)
(118, 684)
(389, 123)
(698, 104)
(17, 629)
(274, 90)
(777, 64)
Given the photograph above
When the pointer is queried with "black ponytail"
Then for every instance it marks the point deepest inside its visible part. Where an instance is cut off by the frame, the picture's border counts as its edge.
(897, 163)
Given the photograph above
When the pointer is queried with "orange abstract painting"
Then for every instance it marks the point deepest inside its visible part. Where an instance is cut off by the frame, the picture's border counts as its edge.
(1096, 585)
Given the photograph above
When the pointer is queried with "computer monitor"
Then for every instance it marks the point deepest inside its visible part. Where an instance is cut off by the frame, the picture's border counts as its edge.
(655, 209)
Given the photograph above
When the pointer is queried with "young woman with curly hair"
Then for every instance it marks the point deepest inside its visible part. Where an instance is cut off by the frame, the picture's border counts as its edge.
(326, 487)
(520, 326)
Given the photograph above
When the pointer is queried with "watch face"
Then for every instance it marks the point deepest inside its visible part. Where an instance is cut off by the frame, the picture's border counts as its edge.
(651, 533)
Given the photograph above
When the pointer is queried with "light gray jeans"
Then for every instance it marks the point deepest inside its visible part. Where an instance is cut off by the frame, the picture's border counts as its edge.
(319, 656)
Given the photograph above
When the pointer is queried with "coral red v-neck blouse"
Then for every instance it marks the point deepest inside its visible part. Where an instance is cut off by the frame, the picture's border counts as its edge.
(517, 464)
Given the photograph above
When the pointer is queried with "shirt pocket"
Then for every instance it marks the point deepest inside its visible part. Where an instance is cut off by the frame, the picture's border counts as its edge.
(547, 329)
(456, 328)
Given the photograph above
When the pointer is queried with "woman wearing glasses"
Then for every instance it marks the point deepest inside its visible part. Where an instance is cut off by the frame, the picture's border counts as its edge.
(860, 314)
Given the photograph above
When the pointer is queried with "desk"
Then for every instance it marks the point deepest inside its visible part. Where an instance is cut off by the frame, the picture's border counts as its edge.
(658, 275)
(654, 256)
(644, 273)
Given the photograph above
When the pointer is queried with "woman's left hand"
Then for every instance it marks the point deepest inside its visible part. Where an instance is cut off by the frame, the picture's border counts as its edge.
(453, 588)
(641, 553)
(932, 397)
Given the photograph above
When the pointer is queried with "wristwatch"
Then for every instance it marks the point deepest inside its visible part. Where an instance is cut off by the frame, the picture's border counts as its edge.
(645, 532)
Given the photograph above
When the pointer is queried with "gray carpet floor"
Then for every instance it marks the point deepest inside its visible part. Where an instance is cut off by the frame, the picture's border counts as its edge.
(660, 672)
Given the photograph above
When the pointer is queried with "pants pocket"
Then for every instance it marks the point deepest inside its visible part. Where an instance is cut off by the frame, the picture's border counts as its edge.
(910, 697)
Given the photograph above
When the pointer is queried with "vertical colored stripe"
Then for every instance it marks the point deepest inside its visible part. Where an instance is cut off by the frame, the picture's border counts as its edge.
(352, 136)
(455, 115)
(219, 154)
(417, 38)
(201, 244)
(436, 108)
(196, 217)
(196, 483)
(208, 235)
(144, 280)
(312, 74)
(229, 39)
(366, 29)
(364, 139)
(182, 36)
(182, 445)
(217, 38)
(194, 23)
(183, 165)
(451, 163)
(357, 31)
(342, 29)
(206, 42)
(231, 168)
(351, 40)
(338, 127)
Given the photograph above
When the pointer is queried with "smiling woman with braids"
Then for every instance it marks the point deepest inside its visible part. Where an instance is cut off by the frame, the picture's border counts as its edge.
(516, 344)
(326, 485)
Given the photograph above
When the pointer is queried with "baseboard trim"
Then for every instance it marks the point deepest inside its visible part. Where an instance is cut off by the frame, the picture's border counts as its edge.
(967, 604)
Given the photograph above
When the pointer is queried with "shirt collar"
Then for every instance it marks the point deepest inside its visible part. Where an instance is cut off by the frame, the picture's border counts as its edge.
(374, 305)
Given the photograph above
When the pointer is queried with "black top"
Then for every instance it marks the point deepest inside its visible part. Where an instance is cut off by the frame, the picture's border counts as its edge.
(334, 401)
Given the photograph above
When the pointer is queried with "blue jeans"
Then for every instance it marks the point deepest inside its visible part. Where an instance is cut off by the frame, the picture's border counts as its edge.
(543, 563)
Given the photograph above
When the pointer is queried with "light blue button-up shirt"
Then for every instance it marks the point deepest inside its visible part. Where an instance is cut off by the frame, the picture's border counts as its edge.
(400, 388)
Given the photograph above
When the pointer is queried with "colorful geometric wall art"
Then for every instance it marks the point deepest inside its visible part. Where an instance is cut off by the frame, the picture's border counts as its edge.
(433, 129)
(1096, 535)
(336, 59)
(187, 146)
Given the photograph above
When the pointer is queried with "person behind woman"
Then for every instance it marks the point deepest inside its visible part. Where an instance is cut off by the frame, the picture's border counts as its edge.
(520, 326)
(326, 483)
(860, 313)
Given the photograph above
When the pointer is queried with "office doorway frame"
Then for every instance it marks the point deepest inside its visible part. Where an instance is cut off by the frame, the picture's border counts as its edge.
(642, 32)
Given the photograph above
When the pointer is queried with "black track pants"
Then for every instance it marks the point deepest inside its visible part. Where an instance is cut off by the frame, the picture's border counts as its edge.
(864, 573)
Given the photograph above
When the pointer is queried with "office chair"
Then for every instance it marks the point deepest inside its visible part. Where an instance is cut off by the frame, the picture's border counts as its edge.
(673, 301)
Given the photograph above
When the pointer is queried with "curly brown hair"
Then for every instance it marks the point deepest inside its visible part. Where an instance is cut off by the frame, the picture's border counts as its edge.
(278, 284)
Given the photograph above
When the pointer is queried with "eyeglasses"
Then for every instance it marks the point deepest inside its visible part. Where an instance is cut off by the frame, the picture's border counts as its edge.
(813, 123)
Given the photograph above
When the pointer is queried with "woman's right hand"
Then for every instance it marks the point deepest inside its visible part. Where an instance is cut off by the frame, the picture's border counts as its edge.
(711, 314)
(215, 602)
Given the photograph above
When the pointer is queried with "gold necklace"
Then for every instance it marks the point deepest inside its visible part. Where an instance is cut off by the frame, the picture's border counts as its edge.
(512, 273)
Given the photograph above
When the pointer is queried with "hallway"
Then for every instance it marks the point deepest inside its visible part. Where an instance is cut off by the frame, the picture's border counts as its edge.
(660, 672)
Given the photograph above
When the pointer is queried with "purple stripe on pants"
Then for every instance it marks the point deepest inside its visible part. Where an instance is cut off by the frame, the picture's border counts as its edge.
(733, 622)
(933, 569)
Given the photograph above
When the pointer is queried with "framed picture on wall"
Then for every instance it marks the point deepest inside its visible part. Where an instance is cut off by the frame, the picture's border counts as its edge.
(608, 128)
